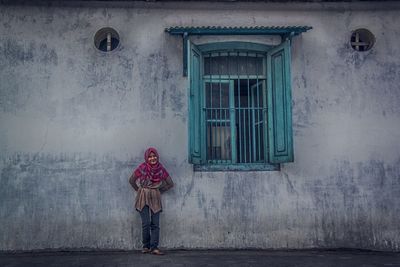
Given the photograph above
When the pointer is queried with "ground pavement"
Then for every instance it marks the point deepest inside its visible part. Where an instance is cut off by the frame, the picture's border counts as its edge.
(218, 258)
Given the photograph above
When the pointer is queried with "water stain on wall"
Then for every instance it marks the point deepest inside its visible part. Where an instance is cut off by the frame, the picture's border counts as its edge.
(351, 210)
(154, 71)
(16, 52)
(61, 194)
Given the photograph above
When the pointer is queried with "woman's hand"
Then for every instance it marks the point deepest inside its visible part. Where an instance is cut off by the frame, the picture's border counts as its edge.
(132, 181)
(167, 184)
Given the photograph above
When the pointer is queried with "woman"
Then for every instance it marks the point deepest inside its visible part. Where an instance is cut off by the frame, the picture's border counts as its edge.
(150, 179)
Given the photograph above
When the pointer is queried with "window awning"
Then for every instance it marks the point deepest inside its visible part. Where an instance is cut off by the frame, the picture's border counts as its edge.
(285, 32)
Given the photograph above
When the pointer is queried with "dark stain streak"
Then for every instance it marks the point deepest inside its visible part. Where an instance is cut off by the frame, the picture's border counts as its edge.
(389, 71)
(16, 52)
(201, 201)
(355, 58)
(188, 191)
(14, 97)
(163, 103)
(289, 184)
(304, 80)
(238, 198)
(105, 82)
(302, 112)
(300, 81)
(48, 56)
(176, 99)
(126, 63)
(37, 185)
(154, 71)
(352, 210)
(373, 173)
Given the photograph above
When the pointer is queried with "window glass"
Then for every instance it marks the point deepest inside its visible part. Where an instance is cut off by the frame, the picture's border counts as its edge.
(234, 107)
(249, 120)
(233, 64)
(218, 121)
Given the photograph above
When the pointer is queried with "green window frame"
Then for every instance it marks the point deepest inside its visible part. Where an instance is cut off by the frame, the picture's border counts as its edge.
(267, 148)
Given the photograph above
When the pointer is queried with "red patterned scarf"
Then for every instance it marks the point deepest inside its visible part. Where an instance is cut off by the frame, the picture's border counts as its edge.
(155, 173)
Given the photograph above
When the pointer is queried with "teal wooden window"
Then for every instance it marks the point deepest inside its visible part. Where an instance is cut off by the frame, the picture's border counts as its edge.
(240, 106)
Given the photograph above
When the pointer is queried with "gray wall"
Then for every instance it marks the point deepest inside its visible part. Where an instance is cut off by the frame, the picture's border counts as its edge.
(75, 122)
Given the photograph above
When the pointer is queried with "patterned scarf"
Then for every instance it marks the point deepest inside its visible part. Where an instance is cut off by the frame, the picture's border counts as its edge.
(155, 173)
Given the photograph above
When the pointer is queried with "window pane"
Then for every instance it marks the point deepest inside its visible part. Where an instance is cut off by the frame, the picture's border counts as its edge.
(249, 120)
(218, 122)
(234, 64)
(245, 72)
(219, 141)
(217, 96)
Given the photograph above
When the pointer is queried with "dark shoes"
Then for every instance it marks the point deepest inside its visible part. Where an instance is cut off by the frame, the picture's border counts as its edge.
(146, 250)
(156, 251)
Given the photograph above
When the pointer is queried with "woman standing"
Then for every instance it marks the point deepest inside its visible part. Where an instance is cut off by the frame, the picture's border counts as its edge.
(149, 180)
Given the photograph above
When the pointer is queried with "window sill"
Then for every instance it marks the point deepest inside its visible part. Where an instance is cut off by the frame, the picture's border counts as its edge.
(237, 167)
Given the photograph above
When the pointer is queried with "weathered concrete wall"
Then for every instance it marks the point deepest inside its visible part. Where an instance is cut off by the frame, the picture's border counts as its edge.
(75, 122)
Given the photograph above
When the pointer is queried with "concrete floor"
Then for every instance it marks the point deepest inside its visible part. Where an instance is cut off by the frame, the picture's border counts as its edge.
(219, 258)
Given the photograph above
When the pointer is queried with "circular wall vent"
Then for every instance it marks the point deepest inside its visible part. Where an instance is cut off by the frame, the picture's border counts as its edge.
(362, 40)
(106, 39)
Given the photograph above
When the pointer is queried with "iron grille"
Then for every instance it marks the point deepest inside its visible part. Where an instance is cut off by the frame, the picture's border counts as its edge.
(235, 105)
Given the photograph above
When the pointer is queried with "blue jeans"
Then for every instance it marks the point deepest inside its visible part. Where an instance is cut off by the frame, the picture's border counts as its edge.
(150, 227)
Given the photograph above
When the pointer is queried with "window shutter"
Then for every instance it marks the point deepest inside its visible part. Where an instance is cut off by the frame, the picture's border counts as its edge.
(194, 64)
(280, 134)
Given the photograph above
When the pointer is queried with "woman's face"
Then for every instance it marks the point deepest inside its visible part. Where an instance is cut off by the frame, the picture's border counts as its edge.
(152, 159)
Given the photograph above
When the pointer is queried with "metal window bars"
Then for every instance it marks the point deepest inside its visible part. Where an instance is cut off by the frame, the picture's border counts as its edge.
(234, 84)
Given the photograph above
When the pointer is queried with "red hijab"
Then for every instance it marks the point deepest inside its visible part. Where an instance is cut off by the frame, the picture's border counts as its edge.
(155, 173)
